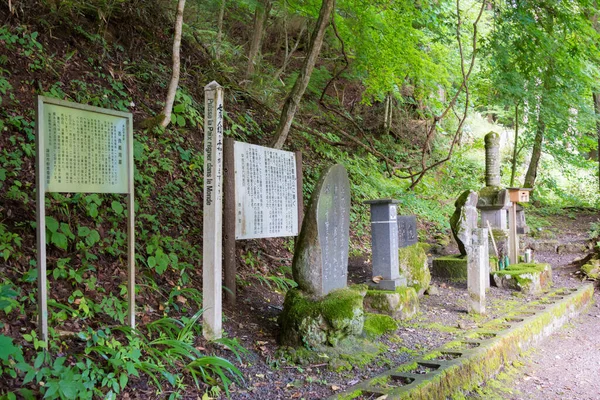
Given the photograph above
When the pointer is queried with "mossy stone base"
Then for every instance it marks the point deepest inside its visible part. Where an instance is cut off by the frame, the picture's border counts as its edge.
(378, 324)
(412, 261)
(527, 278)
(403, 303)
(592, 269)
(310, 322)
(450, 267)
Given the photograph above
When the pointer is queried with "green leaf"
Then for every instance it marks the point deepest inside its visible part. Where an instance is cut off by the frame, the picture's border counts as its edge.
(93, 210)
(60, 240)
(66, 229)
(179, 108)
(2, 174)
(173, 118)
(123, 379)
(83, 231)
(93, 238)
(180, 120)
(151, 261)
(51, 224)
(7, 348)
(117, 207)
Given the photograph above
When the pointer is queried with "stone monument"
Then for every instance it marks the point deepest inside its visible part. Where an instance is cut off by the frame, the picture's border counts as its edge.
(320, 262)
(462, 223)
(477, 270)
(384, 245)
(322, 310)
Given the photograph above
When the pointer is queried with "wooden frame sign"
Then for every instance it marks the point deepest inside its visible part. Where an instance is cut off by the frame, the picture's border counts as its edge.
(82, 149)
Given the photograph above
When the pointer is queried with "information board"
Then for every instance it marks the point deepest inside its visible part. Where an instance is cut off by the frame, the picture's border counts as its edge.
(84, 151)
(266, 196)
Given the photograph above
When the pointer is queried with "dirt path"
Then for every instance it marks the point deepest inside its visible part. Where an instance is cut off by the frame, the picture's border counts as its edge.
(564, 366)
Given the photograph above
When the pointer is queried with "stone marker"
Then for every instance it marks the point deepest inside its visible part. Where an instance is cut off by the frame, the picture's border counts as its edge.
(492, 159)
(493, 200)
(320, 262)
(477, 270)
(407, 230)
(384, 244)
(464, 219)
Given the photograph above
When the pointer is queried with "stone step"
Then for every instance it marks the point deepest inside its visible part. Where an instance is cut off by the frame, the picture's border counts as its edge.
(466, 364)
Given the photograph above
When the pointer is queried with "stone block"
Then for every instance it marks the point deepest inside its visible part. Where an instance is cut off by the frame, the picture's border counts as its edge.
(412, 261)
(310, 322)
(527, 278)
(450, 267)
(403, 303)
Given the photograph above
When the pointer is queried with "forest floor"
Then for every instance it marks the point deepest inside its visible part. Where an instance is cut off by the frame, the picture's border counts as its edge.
(442, 318)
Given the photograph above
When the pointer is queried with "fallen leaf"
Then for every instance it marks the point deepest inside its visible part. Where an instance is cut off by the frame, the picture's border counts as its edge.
(385, 396)
(377, 278)
(335, 388)
(181, 299)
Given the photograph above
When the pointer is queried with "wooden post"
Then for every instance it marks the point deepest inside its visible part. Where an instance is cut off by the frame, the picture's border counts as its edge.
(229, 216)
(299, 183)
(213, 213)
(130, 229)
(513, 238)
(41, 225)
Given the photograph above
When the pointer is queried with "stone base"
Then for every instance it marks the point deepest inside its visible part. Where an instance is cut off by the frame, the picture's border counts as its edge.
(310, 322)
(592, 269)
(412, 261)
(527, 278)
(450, 267)
(400, 304)
(388, 284)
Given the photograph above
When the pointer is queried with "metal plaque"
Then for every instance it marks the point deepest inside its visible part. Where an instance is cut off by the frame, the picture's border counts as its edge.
(85, 148)
(266, 195)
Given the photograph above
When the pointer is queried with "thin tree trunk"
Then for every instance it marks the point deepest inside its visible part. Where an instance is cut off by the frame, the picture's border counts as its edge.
(289, 54)
(514, 157)
(293, 100)
(220, 30)
(597, 110)
(531, 174)
(386, 111)
(176, 65)
(261, 13)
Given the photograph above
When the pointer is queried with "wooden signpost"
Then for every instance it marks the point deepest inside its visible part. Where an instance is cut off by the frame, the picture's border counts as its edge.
(212, 302)
(82, 149)
(517, 195)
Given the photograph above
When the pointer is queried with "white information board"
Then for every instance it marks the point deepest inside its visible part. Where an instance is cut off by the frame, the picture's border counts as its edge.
(266, 198)
(84, 151)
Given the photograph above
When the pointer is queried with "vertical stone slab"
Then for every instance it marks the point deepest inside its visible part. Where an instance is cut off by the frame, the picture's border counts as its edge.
(464, 219)
(320, 262)
(407, 230)
(477, 260)
(213, 209)
(384, 244)
(492, 159)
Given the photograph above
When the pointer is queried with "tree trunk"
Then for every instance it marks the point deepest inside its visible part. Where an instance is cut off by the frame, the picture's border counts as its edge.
(220, 30)
(514, 157)
(293, 100)
(261, 14)
(176, 65)
(597, 110)
(531, 174)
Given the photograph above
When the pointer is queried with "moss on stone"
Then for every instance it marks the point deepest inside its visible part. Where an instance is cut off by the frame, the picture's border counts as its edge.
(526, 277)
(309, 322)
(412, 262)
(378, 324)
(592, 269)
(450, 267)
(403, 303)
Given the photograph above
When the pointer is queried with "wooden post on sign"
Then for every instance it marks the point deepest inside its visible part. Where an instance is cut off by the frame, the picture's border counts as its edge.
(513, 238)
(229, 263)
(41, 224)
(130, 232)
(299, 183)
(213, 213)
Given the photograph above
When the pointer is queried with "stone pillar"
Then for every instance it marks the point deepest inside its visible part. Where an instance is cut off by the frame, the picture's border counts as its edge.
(477, 270)
(384, 243)
(492, 159)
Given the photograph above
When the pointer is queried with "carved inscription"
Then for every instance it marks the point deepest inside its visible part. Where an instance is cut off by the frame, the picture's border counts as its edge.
(266, 195)
(407, 230)
(84, 151)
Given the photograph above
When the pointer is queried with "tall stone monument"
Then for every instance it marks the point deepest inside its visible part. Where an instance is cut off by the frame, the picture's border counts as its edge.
(493, 199)
(477, 270)
(320, 262)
